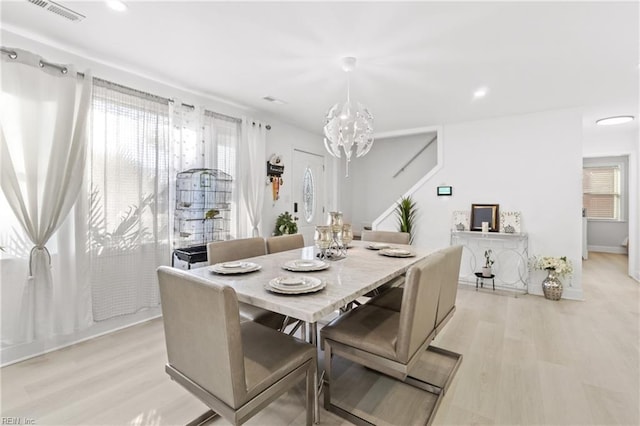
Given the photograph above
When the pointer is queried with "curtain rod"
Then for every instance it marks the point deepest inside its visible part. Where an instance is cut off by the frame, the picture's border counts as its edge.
(14, 55)
(266, 126)
(222, 116)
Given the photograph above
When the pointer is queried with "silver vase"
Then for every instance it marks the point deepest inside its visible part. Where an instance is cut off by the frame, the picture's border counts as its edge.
(551, 286)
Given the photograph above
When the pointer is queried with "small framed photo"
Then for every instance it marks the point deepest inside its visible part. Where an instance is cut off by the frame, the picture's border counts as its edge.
(487, 215)
(460, 220)
(510, 222)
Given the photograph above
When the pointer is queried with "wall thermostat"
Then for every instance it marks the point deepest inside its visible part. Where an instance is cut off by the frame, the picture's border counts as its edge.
(446, 191)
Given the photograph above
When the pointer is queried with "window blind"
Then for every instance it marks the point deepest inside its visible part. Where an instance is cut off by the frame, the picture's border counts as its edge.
(601, 192)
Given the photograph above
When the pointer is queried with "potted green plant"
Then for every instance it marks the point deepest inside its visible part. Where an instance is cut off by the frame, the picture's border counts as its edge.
(406, 212)
(488, 262)
(285, 224)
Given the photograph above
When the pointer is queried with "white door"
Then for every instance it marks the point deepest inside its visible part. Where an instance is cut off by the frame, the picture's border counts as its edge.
(308, 192)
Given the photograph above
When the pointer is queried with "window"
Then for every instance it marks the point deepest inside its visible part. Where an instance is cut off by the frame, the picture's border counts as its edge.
(128, 168)
(603, 188)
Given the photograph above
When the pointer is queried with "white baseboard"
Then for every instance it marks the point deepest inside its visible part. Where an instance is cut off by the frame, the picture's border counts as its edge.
(20, 352)
(571, 293)
(609, 249)
(568, 293)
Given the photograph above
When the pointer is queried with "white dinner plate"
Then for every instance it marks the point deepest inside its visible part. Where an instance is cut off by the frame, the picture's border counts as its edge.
(305, 265)
(397, 252)
(295, 285)
(234, 267)
(378, 246)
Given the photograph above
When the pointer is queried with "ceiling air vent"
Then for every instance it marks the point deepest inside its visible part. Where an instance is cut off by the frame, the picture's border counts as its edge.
(58, 9)
(273, 100)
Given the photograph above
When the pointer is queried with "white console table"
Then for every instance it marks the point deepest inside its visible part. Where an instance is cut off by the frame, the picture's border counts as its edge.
(510, 252)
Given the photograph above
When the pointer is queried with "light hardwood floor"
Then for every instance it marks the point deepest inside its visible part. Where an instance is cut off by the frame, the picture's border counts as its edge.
(527, 360)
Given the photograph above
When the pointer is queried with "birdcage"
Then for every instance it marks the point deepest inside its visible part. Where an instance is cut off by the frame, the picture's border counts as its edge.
(203, 207)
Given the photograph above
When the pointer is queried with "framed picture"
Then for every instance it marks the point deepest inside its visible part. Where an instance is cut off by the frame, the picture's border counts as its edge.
(460, 220)
(485, 213)
(510, 222)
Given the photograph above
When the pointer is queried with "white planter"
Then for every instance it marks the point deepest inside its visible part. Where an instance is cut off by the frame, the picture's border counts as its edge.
(486, 272)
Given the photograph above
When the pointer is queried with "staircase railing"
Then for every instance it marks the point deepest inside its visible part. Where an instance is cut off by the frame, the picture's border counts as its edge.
(385, 220)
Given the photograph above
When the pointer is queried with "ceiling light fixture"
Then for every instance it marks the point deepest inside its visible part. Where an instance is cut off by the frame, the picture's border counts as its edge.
(116, 5)
(348, 125)
(480, 93)
(610, 121)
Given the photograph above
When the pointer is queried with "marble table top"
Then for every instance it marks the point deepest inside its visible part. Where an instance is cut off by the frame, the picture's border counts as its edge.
(346, 279)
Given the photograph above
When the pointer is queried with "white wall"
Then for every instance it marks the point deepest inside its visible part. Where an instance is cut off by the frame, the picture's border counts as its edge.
(612, 141)
(529, 163)
(283, 140)
(373, 186)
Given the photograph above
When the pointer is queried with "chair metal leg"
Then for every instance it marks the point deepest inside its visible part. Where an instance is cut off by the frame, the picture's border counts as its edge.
(327, 376)
(312, 396)
(203, 418)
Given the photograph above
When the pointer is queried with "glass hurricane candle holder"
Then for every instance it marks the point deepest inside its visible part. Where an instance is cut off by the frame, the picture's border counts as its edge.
(323, 237)
(335, 221)
(347, 234)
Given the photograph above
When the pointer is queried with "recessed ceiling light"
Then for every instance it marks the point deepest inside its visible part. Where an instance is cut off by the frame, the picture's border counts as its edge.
(610, 121)
(116, 5)
(480, 93)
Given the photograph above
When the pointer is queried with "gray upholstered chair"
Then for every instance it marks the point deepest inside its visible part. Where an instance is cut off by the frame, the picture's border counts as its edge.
(235, 368)
(385, 340)
(227, 251)
(284, 243)
(390, 237)
(449, 286)
(392, 298)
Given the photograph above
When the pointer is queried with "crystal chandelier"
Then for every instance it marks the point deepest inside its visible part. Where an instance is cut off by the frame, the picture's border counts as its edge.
(348, 125)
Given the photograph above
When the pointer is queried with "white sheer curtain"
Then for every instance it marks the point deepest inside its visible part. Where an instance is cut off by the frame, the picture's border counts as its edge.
(221, 136)
(253, 157)
(43, 113)
(186, 152)
(129, 201)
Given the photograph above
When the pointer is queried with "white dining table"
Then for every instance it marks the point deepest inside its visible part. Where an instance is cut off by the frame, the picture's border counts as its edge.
(346, 279)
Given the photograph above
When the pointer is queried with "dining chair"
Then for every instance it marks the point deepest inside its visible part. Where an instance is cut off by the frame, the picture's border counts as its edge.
(383, 339)
(243, 248)
(390, 237)
(449, 287)
(284, 243)
(230, 250)
(235, 368)
(389, 341)
(392, 298)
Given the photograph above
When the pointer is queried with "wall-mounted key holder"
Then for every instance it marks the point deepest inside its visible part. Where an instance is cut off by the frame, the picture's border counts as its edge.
(275, 169)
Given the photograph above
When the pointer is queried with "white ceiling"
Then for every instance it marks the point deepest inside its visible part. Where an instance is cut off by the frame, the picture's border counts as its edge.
(418, 63)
